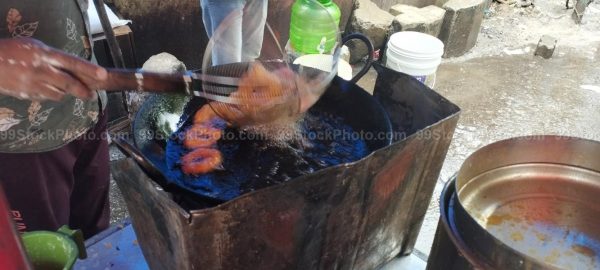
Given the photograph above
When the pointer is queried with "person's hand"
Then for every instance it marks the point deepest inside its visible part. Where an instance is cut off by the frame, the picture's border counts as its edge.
(31, 70)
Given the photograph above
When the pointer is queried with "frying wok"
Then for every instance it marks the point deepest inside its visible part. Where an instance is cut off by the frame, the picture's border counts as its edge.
(161, 115)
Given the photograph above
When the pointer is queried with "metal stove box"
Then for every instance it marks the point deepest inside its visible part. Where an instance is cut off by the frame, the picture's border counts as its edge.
(353, 216)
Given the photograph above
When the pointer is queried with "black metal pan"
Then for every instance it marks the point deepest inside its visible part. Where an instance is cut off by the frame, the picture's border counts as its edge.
(151, 127)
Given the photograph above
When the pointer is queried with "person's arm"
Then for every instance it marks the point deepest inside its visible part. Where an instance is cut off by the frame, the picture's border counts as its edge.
(31, 70)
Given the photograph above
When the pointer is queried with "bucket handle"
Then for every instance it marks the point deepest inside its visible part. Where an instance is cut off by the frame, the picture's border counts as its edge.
(370, 50)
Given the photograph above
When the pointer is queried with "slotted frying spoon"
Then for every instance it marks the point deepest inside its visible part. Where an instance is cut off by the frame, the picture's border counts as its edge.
(255, 107)
(263, 89)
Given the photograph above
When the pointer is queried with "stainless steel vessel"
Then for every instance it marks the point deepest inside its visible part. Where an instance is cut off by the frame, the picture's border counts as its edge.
(527, 203)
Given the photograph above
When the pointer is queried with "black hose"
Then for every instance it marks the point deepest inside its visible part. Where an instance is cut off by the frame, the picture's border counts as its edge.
(370, 51)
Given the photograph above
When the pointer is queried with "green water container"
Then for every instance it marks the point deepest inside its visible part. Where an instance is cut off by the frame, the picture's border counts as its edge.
(311, 27)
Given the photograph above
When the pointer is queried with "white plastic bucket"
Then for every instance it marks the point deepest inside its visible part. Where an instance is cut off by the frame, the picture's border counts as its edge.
(416, 54)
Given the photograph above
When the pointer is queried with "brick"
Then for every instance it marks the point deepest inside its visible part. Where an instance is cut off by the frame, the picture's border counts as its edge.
(403, 9)
(461, 25)
(387, 4)
(371, 21)
(426, 20)
(546, 46)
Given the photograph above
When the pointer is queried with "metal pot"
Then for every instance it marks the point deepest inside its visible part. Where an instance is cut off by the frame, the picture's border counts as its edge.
(524, 203)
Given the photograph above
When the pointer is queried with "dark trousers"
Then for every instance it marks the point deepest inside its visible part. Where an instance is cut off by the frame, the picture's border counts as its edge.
(66, 186)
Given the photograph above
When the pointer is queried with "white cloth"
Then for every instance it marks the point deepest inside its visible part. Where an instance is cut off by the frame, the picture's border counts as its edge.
(96, 26)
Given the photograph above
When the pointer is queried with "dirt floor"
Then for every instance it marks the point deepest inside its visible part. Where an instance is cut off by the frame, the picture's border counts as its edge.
(118, 209)
(510, 30)
(504, 91)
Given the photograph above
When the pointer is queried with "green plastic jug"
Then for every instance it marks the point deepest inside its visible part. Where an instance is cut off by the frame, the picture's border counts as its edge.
(54, 250)
(312, 30)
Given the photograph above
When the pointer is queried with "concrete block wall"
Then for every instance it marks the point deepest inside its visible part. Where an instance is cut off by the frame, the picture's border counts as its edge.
(455, 22)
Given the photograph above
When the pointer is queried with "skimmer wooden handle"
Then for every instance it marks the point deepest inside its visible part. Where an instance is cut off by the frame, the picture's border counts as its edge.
(134, 80)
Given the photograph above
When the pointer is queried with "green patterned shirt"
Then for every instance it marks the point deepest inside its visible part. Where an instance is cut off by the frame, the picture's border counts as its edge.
(27, 126)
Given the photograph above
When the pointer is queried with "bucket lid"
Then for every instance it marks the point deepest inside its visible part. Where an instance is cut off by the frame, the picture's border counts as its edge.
(416, 44)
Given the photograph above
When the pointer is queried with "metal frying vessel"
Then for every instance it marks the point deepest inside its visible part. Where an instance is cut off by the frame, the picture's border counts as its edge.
(161, 115)
(355, 216)
(532, 203)
(224, 80)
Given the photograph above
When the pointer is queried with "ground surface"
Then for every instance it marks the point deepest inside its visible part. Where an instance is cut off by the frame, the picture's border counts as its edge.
(504, 91)
(117, 204)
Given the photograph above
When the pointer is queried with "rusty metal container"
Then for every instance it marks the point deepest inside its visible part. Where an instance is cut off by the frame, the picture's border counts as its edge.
(352, 216)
